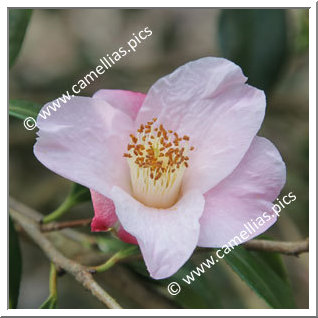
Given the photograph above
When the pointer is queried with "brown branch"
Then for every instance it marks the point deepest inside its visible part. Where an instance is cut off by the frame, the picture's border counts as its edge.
(288, 248)
(28, 220)
(81, 273)
(56, 226)
(82, 249)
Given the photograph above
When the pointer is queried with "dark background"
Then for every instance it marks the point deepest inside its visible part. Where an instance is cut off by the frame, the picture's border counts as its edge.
(61, 46)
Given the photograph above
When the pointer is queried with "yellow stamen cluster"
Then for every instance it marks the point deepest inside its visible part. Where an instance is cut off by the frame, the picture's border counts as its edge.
(159, 150)
(157, 158)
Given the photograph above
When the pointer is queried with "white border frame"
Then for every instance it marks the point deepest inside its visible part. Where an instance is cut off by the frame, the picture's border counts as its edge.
(312, 163)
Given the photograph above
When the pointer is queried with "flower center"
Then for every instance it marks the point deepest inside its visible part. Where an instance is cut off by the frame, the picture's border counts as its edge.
(157, 159)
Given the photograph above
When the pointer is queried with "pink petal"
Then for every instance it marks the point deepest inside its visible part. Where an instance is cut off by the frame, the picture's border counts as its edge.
(208, 100)
(127, 101)
(84, 141)
(167, 237)
(244, 195)
(105, 218)
(125, 236)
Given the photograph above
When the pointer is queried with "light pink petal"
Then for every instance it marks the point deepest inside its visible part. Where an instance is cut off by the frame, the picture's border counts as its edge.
(105, 218)
(127, 101)
(208, 100)
(167, 237)
(84, 141)
(244, 196)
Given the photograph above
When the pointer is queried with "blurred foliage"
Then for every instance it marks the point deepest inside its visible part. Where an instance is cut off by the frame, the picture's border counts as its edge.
(78, 194)
(169, 36)
(110, 245)
(301, 41)
(22, 109)
(258, 273)
(15, 266)
(201, 294)
(256, 40)
(264, 272)
(18, 22)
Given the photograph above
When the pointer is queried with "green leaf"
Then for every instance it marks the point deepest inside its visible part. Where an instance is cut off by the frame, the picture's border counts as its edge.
(301, 38)
(256, 40)
(51, 301)
(18, 23)
(77, 195)
(202, 293)
(23, 109)
(274, 260)
(15, 266)
(261, 276)
(110, 244)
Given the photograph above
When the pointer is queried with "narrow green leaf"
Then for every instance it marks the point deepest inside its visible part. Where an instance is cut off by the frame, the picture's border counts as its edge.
(18, 23)
(15, 266)
(201, 293)
(301, 36)
(77, 195)
(256, 40)
(22, 109)
(274, 260)
(262, 277)
(51, 301)
(110, 244)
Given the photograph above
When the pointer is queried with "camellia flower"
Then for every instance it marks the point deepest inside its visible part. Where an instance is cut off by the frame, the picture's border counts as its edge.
(176, 168)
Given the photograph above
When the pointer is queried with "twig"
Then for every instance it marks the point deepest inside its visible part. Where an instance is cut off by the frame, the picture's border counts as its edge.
(55, 226)
(53, 280)
(62, 209)
(83, 239)
(29, 219)
(81, 273)
(122, 254)
(124, 282)
(51, 301)
(288, 248)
